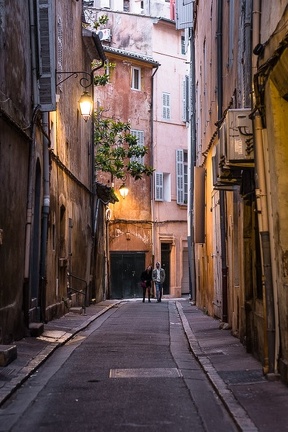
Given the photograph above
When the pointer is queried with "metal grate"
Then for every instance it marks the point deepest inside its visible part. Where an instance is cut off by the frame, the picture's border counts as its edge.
(145, 373)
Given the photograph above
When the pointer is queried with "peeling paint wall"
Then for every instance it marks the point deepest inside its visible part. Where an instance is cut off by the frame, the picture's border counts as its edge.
(15, 144)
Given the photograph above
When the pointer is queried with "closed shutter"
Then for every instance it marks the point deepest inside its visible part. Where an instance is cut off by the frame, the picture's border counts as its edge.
(179, 177)
(158, 178)
(185, 112)
(166, 115)
(46, 39)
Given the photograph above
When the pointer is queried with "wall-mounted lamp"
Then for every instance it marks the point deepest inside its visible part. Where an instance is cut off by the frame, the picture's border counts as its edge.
(86, 105)
(123, 190)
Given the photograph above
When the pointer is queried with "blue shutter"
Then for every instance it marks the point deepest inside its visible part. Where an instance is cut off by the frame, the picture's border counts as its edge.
(184, 14)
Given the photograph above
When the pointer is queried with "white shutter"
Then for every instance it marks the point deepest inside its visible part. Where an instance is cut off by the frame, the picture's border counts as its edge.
(158, 178)
(166, 106)
(46, 39)
(185, 113)
(179, 177)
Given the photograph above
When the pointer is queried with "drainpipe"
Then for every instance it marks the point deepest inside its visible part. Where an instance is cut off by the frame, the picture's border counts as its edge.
(152, 164)
(192, 271)
(262, 211)
(29, 209)
(222, 193)
(45, 215)
(28, 226)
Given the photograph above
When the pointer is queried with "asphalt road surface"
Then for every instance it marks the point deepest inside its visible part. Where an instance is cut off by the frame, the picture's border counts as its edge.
(130, 370)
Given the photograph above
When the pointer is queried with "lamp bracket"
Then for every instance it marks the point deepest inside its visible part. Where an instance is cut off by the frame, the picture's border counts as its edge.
(85, 81)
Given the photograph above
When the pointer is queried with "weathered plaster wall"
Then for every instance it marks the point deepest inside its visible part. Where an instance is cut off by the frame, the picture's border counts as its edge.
(16, 113)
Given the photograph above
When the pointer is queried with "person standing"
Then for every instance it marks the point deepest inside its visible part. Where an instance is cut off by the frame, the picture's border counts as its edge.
(146, 279)
(158, 277)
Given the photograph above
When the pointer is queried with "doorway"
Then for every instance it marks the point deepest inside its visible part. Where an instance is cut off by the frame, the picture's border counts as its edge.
(165, 263)
(126, 269)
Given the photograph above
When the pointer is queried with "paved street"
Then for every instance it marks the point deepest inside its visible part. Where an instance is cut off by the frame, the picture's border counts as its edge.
(133, 366)
(131, 369)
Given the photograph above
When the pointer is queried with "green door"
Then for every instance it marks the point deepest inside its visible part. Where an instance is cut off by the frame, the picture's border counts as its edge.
(125, 272)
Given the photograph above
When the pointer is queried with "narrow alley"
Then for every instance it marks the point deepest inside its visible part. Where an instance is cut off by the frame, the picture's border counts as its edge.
(128, 365)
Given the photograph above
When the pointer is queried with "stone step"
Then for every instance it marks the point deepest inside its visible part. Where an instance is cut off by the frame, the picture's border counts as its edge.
(76, 309)
(36, 329)
(8, 353)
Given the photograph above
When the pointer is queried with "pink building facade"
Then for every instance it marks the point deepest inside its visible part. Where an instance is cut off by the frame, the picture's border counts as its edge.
(151, 223)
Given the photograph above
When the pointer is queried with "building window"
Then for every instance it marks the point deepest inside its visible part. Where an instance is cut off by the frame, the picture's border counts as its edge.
(185, 106)
(136, 78)
(183, 44)
(182, 176)
(166, 110)
(162, 186)
(158, 181)
(140, 141)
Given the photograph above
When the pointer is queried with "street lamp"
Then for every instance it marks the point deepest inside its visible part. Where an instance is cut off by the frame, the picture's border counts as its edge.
(86, 105)
(123, 190)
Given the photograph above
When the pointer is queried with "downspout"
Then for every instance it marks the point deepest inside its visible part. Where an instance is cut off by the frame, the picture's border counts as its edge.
(152, 164)
(192, 270)
(222, 192)
(262, 210)
(94, 201)
(45, 216)
(28, 226)
(29, 209)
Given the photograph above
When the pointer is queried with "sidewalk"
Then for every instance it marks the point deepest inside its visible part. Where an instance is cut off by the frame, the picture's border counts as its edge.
(255, 403)
(32, 352)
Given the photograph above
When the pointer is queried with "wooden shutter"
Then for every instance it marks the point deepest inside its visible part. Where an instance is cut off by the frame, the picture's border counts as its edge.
(184, 14)
(185, 113)
(179, 177)
(158, 178)
(46, 40)
(166, 106)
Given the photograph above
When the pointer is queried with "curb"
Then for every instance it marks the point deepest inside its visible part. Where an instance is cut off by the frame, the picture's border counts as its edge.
(43, 355)
(238, 414)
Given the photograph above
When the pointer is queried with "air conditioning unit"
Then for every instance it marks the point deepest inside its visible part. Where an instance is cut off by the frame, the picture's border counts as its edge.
(104, 34)
(237, 138)
(224, 178)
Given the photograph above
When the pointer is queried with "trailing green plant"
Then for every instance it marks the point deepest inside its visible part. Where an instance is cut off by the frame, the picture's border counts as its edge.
(117, 149)
(102, 20)
(102, 79)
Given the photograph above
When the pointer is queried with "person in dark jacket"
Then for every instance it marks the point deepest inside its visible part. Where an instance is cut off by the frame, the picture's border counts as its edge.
(158, 277)
(146, 279)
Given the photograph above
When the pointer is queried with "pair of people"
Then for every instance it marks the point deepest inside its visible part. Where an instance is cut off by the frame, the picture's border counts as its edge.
(157, 276)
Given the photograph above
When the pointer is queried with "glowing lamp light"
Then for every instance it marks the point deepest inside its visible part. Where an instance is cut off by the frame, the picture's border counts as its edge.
(86, 105)
(123, 190)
